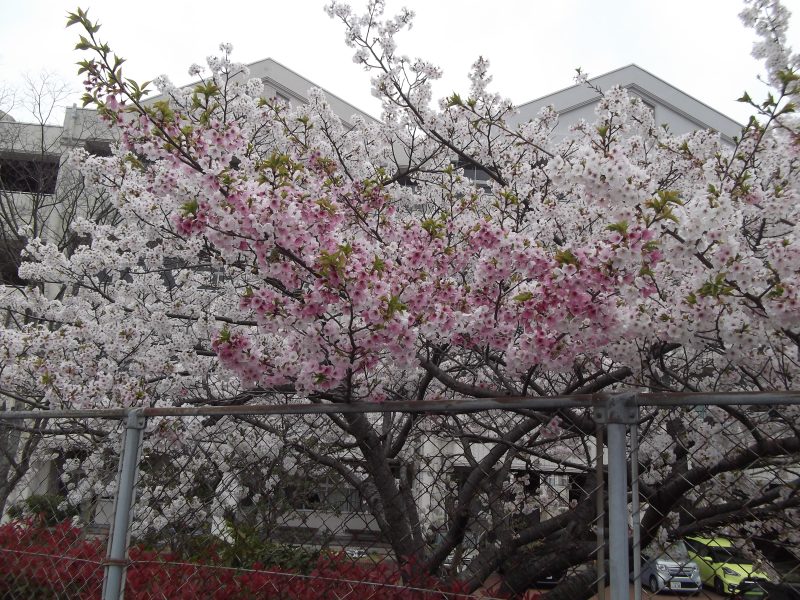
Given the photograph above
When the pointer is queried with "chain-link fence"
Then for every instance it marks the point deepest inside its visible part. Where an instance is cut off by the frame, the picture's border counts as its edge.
(719, 498)
(489, 498)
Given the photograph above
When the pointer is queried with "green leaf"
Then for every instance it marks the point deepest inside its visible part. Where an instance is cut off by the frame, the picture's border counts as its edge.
(84, 44)
(523, 297)
(454, 100)
(394, 305)
(326, 205)
(334, 262)
(566, 257)
(621, 228)
(650, 246)
(164, 110)
(433, 227)
(190, 208)
(787, 77)
(776, 292)
(716, 287)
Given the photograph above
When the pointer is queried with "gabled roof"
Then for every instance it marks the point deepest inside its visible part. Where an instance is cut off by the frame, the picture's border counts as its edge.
(295, 86)
(678, 105)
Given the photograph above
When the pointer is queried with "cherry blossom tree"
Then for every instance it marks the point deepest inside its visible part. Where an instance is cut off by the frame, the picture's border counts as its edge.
(38, 200)
(268, 253)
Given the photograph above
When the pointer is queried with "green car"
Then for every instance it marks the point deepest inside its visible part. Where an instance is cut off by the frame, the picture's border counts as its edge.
(724, 567)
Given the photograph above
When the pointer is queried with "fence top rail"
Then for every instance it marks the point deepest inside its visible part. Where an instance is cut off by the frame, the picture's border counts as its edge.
(656, 399)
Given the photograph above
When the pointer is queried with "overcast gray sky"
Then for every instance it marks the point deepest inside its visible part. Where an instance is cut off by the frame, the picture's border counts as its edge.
(699, 46)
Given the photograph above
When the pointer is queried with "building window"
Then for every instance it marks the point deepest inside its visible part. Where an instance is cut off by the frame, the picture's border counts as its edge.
(406, 180)
(213, 271)
(558, 480)
(216, 278)
(98, 148)
(30, 174)
(325, 494)
(473, 171)
(10, 251)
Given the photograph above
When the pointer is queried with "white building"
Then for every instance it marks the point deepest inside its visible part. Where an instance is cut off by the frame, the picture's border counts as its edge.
(671, 106)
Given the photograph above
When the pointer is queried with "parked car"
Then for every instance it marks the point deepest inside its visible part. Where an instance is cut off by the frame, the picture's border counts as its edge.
(673, 569)
(726, 568)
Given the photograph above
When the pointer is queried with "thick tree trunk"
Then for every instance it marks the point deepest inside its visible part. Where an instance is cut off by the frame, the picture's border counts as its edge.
(522, 571)
(398, 520)
(578, 586)
(9, 445)
(14, 461)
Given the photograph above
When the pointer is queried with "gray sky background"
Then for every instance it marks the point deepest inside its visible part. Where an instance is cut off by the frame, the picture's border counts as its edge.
(534, 46)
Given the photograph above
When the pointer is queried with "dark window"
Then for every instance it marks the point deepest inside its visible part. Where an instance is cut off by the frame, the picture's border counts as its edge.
(697, 548)
(473, 171)
(215, 276)
(171, 266)
(578, 487)
(531, 480)
(98, 148)
(325, 494)
(31, 174)
(729, 555)
(10, 250)
(405, 180)
(104, 277)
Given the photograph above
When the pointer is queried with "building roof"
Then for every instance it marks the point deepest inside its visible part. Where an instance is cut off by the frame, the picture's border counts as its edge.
(678, 107)
(682, 112)
(294, 86)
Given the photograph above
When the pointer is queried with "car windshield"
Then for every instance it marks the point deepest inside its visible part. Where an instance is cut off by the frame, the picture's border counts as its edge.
(676, 552)
(729, 555)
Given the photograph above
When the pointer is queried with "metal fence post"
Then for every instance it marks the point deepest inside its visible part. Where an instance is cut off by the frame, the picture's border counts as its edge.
(636, 511)
(619, 411)
(115, 565)
(601, 512)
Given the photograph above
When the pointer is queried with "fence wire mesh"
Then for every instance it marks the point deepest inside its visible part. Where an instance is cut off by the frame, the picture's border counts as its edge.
(485, 503)
(719, 500)
(58, 483)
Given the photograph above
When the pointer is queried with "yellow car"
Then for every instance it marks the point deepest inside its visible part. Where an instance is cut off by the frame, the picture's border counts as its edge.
(724, 567)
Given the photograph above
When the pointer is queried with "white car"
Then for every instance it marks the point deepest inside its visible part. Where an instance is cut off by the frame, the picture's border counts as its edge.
(672, 570)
